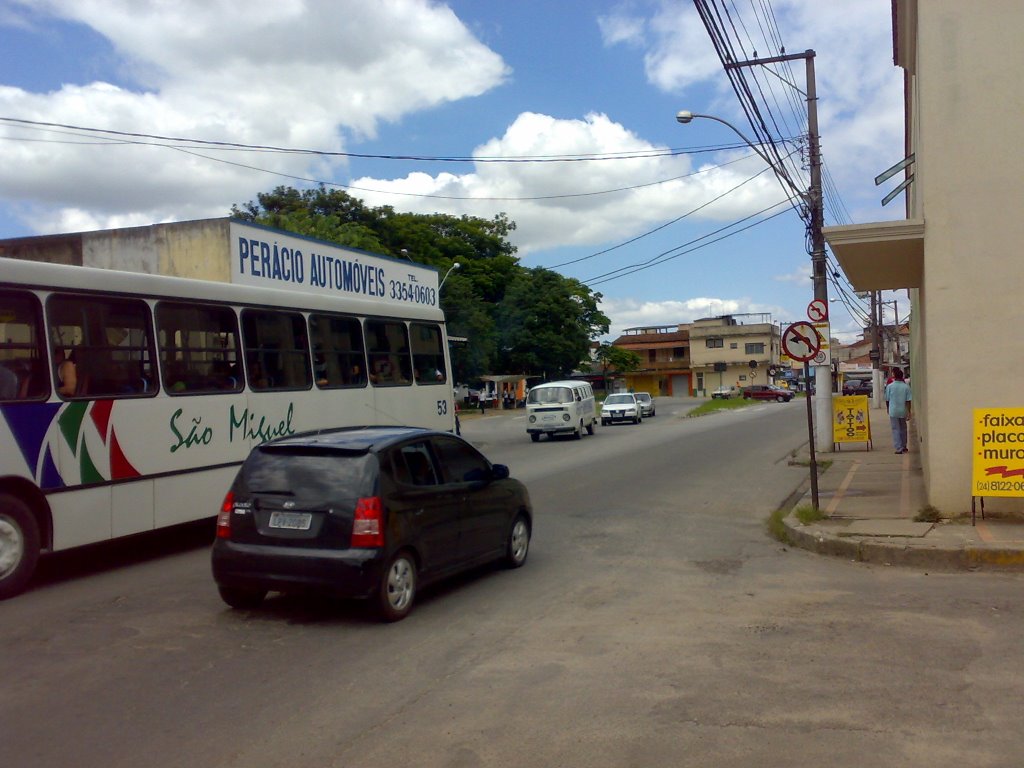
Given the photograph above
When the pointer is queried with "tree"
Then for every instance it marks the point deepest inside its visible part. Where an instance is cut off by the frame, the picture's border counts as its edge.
(621, 360)
(546, 322)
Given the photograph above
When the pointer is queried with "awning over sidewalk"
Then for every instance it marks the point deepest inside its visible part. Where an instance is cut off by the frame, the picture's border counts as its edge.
(882, 255)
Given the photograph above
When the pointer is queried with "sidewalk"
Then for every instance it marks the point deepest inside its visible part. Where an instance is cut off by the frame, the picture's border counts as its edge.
(870, 500)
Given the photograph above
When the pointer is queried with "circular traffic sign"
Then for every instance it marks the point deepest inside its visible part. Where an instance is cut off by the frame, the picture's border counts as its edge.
(817, 311)
(800, 341)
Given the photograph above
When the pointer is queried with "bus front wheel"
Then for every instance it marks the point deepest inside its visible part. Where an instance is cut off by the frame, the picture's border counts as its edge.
(19, 545)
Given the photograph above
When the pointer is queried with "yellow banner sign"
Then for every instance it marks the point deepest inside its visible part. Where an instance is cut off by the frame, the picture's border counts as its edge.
(998, 466)
(850, 419)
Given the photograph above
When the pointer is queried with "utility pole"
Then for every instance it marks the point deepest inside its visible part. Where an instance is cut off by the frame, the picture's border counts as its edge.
(876, 350)
(815, 211)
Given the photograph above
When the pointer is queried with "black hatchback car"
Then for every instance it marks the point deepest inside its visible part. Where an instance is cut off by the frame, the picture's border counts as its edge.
(365, 512)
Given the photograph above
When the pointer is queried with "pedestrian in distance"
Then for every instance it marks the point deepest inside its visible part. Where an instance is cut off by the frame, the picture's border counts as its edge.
(897, 396)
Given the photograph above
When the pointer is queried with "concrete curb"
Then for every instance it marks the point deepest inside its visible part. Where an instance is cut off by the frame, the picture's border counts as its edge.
(924, 554)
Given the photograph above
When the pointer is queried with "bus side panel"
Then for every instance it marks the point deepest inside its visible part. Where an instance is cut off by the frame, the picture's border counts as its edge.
(131, 507)
(420, 406)
(82, 517)
(183, 498)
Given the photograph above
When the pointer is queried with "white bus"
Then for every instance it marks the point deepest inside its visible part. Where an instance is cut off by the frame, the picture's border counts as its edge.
(127, 400)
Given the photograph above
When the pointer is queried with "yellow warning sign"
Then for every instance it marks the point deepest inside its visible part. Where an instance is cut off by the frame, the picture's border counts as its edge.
(998, 466)
(850, 419)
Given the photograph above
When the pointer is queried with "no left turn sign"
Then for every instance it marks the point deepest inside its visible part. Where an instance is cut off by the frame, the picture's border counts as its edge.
(801, 341)
(817, 311)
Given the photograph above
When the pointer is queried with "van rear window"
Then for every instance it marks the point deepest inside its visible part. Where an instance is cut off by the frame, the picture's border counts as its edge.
(550, 395)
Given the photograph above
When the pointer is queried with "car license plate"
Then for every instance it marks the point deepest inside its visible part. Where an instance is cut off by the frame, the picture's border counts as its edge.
(294, 521)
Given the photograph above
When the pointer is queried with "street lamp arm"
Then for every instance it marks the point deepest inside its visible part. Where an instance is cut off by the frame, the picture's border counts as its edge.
(684, 116)
(454, 266)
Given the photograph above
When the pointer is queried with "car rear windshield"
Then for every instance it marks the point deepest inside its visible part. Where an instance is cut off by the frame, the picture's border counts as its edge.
(613, 399)
(550, 395)
(313, 471)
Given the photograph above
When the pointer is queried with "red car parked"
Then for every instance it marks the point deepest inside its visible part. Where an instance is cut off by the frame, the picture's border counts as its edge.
(767, 392)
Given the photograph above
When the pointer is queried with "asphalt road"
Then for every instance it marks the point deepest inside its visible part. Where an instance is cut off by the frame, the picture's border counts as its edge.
(655, 624)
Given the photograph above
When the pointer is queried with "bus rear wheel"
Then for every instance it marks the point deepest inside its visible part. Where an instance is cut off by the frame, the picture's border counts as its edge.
(19, 545)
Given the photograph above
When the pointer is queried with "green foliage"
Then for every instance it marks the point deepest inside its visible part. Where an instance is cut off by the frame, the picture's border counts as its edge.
(807, 513)
(618, 359)
(547, 322)
(517, 320)
(714, 406)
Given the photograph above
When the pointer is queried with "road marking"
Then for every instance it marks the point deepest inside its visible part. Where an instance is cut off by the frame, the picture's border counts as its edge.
(838, 496)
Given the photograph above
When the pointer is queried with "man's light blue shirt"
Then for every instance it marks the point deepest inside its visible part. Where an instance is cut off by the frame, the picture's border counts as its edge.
(897, 394)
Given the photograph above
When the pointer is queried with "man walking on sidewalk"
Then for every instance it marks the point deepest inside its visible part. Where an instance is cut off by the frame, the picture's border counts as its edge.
(897, 395)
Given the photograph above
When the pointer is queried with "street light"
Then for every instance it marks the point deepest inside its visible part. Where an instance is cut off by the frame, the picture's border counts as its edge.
(454, 266)
(685, 116)
(812, 200)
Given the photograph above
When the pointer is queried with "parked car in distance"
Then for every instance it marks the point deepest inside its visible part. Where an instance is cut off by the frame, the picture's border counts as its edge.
(646, 403)
(365, 512)
(857, 387)
(725, 392)
(767, 392)
(621, 407)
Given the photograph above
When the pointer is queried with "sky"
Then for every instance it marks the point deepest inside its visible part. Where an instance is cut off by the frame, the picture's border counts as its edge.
(559, 115)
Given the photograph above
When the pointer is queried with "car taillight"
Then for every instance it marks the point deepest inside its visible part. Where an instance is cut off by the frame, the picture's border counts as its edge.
(224, 516)
(368, 525)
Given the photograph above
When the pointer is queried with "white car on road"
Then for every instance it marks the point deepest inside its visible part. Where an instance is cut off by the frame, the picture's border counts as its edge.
(622, 407)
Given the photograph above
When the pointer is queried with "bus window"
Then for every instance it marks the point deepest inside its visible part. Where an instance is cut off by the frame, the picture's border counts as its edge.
(199, 350)
(22, 352)
(387, 345)
(108, 342)
(276, 350)
(338, 357)
(427, 354)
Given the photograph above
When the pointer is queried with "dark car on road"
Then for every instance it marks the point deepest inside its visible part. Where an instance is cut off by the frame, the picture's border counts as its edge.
(767, 392)
(365, 512)
(857, 387)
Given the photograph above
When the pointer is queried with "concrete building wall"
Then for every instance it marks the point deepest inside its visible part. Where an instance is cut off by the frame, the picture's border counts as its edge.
(195, 249)
(966, 101)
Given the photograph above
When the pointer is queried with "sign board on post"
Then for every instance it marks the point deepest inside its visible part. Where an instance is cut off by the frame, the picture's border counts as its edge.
(998, 466)
(824, 356)
(801, 341)
(850, 417)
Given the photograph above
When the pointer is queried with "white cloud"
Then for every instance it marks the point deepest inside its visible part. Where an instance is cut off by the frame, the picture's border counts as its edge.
(588, 220)
(860, 107)
(284, 73)
(631, 313)
(620, 27)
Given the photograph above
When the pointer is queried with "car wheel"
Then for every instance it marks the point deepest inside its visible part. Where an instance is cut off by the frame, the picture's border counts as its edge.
(19, 545)
(518, 542)
(397, 589)
(590, 428)
(782, 399)
(535, 437)
(242, 599)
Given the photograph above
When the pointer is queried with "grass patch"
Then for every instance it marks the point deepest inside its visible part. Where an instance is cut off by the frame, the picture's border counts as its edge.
(777, 528)
(714, 406)
(823, 464)
(807, 514)
(927, 514)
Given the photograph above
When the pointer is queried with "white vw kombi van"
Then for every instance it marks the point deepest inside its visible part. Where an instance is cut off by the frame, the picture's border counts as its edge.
(565, 407)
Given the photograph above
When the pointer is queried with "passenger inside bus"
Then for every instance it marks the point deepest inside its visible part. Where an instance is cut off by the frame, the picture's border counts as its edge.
(67, 373)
